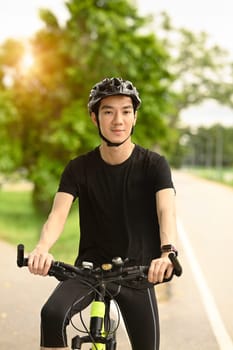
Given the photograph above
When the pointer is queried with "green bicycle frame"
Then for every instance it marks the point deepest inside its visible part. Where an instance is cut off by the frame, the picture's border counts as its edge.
(97, 322)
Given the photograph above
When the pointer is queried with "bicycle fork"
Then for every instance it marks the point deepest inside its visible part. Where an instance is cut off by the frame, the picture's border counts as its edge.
(97, 327)
(99, 319)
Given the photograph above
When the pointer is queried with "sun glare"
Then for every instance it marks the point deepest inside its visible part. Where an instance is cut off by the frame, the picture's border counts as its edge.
(27, 62)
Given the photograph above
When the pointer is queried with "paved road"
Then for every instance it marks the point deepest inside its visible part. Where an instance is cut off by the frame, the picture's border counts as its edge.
(205, 210)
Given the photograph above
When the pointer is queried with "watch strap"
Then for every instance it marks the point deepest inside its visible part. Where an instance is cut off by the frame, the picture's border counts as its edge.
(167, 248)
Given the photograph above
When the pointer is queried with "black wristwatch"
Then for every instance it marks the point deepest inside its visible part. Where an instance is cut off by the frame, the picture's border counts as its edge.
(167, 248)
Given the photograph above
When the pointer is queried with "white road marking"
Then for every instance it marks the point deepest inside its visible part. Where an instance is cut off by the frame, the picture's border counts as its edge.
(223, 339)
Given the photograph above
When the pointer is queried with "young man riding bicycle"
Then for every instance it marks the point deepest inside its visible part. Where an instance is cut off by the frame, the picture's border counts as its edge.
(126, 208)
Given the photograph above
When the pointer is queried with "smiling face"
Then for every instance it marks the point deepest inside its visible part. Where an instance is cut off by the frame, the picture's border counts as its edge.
(116, 118)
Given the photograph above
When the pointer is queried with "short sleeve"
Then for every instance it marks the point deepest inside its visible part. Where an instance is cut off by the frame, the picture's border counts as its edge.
(162, 175)
(68, 182)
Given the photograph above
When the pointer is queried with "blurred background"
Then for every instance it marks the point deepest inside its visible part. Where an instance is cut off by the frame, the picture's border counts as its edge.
(52, 52)
(179, 55)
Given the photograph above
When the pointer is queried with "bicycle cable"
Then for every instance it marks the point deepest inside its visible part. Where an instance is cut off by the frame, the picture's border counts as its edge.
(93, 288)
(86, 330)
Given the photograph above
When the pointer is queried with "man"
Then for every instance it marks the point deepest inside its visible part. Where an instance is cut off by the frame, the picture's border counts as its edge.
(126, 208)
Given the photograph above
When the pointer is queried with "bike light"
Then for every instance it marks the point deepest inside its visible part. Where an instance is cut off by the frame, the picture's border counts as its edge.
(87, 265)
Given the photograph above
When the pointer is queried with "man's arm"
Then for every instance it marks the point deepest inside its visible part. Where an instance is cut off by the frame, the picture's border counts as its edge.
(166, 212)
(39, 259)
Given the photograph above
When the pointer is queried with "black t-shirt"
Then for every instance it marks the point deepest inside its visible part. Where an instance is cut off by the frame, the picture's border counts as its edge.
(117, 206)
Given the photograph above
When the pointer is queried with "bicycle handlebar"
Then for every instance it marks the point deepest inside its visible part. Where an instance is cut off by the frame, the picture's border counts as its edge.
(63, 271)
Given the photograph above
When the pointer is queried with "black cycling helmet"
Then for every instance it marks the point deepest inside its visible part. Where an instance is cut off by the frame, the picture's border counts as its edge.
(111, 87)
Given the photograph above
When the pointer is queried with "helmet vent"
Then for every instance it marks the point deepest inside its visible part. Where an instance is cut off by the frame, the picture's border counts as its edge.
(111, 87)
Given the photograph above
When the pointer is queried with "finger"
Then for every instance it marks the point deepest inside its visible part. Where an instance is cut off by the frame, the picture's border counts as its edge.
(39, 264)
(33, 261)
(46, 265)
(161, 272)
(169, 272)
(155, 271)
(151, 273)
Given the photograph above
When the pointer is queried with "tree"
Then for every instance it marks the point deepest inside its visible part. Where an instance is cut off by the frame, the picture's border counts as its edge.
(202, 71)
(101, 38)
(209, 147)
(10, 151)
(172, 70)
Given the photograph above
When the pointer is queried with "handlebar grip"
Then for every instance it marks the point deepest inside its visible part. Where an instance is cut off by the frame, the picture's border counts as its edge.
(21, 261)
(175, 262)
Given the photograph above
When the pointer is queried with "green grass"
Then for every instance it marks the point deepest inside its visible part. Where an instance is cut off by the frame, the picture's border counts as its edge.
(19, 223)
(224, 176)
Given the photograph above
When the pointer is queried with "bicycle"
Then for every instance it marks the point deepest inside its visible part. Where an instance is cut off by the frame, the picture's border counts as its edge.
(102, 330)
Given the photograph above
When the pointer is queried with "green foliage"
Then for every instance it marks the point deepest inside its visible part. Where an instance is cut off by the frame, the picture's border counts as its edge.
(101, 38)
(10, 151)
(11, 51)
(202, 69)
(224, 176)
(43, 111)
(208, 147)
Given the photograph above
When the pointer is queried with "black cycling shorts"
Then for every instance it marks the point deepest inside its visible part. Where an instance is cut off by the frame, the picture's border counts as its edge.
(138, 308)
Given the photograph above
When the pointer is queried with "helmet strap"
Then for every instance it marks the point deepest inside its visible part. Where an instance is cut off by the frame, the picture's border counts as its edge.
(113, 144)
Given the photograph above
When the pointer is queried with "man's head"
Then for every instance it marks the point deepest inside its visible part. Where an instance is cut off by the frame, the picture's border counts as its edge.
(113, 87)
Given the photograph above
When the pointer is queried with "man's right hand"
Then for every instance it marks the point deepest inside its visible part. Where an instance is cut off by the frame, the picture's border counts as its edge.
(39, 262)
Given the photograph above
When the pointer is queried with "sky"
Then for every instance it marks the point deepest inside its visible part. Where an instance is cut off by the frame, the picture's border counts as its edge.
(19, 19)
(214, 18)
